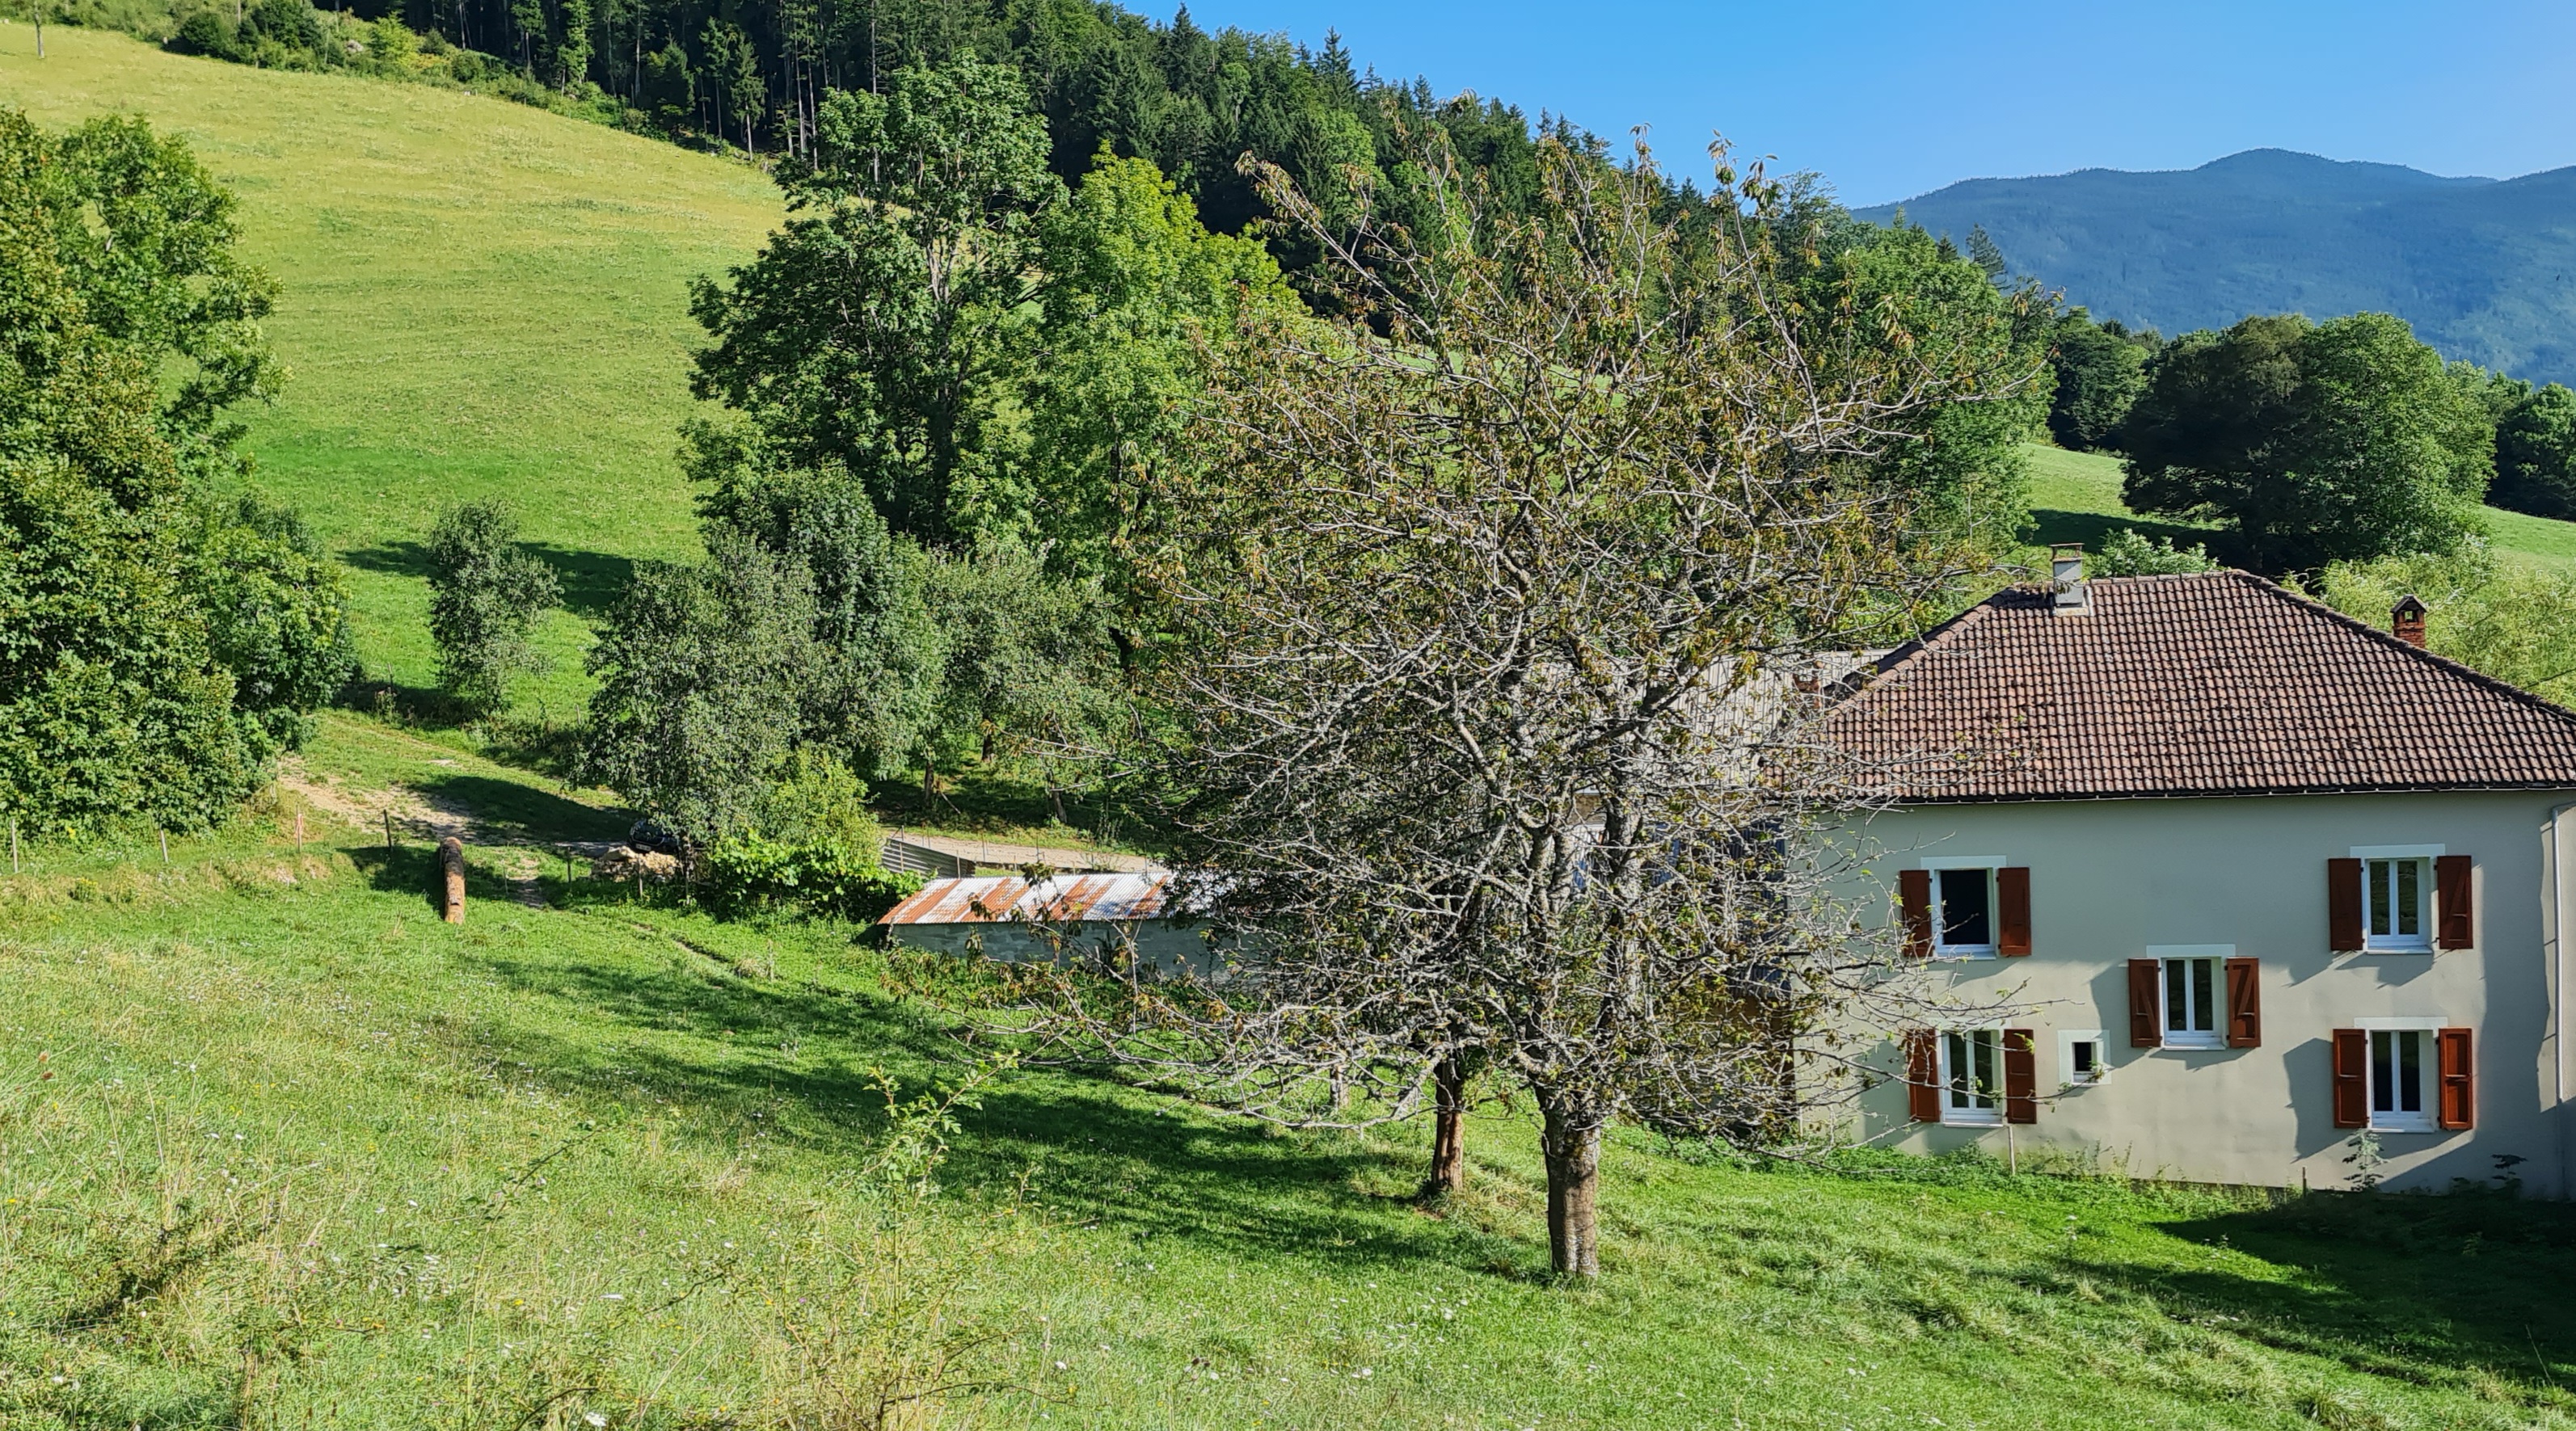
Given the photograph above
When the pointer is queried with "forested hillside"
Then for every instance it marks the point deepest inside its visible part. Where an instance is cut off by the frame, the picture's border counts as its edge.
(2479, 267)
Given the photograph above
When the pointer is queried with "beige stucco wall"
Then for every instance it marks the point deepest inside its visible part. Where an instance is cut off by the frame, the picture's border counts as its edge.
(2110, 878)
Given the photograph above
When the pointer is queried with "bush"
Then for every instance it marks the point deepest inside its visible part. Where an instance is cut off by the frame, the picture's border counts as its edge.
(486, 596)
(2127, 552)
(204, 32)
(277, 613)
(750, 871)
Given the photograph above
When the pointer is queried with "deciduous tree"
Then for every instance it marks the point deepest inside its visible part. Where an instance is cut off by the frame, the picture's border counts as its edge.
(1486, 607)
(486, 596)
(2314, 442)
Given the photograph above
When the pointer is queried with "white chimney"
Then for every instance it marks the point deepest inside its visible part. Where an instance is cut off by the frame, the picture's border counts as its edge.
(2066, 579)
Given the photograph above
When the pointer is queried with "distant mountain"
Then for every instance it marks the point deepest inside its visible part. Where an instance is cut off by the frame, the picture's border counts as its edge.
(2484, 269)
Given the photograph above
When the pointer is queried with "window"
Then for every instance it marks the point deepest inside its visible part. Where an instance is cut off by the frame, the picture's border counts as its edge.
(2191, 1003)
(2397, 905)
(2079, 1057)
(1965, 921)
(1972, 1078)
(2398, 1100)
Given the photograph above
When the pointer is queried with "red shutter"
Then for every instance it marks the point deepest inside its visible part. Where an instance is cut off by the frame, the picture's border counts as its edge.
(1922, 1078)
(2459, 1107)
(2351, 1078)
(2012, 898)
(2455, 900)
(2146, 1004)
(1914, 906)
(2021, 1077)
(2343, 905)
(2244, 1003)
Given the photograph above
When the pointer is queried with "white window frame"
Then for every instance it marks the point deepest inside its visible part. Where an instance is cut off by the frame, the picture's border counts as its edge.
(2428, 913)
(2067, 1039)
(2428, 1072)
(1941, 947)
(1971, 1116)
(2168, 955)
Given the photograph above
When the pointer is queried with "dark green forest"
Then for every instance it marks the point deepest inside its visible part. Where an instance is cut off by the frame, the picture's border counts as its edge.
(755, 77)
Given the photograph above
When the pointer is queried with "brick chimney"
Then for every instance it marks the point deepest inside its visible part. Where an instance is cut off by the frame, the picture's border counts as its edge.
(2406, 619)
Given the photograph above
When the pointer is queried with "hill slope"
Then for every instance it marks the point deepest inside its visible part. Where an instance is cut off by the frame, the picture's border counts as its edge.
(300, 1154)
(481, 299)
(2480, 267)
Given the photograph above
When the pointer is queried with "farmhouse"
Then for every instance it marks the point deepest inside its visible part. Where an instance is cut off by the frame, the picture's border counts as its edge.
(2266, 895)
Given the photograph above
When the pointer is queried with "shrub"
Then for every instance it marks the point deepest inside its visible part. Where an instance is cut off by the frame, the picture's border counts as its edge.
(204, 32)
(486, 596)
(2127, 552)
(749, 871)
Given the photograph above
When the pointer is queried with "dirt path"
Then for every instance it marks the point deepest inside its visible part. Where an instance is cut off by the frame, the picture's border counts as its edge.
(407, 813)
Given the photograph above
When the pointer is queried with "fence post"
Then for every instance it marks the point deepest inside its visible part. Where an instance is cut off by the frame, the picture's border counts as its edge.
(13, 844)
(389, 832)
(165, 846)
(451, 859)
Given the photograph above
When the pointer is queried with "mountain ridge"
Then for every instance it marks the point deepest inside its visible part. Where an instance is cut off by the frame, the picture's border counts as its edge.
(2479, 266)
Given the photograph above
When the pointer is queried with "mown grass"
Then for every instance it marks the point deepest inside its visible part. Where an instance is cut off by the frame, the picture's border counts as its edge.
(298, 1153)
(480, 300)
(2075, 497)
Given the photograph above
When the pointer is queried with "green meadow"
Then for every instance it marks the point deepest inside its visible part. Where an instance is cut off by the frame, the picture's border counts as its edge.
(480, 300)
(280, 1149)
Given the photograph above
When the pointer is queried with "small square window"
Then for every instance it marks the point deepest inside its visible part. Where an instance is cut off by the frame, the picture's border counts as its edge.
(1964, 921)
(2193, 989)
(2080, 1057)
(1972, 1076)
(2400, 1093)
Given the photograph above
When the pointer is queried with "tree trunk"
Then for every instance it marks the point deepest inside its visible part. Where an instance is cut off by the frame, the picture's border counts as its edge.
(1448, 1129)
(1571, 1145)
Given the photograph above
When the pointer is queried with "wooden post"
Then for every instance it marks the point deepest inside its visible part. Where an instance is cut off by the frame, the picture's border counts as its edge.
(451, 860)
(13, 844)
(165, 846)
(389, 832)
(299, 832)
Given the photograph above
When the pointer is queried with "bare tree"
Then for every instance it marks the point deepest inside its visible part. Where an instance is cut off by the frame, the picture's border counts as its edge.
(1492, 604)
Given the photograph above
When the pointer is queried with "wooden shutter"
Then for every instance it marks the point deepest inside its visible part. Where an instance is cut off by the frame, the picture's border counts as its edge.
(2454, 899)
(2351, 1078)
(1922, 1077)
(2021, 1077)
(2343, 905)
(1914, 906)
(2244, 1003)
(2459, 1105)
(2012, 911)
(2146, 1003)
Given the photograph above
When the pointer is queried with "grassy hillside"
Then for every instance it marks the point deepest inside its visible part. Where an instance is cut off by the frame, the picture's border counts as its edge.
(279, 1149)
(2075, 497)
(480, 300)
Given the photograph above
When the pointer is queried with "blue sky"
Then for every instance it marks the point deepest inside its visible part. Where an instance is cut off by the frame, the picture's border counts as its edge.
(1888, 100)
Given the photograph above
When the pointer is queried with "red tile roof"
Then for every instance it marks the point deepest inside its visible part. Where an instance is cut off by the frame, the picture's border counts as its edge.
(2212, 684)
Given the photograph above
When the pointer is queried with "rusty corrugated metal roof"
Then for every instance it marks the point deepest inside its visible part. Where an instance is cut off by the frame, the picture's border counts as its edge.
(992, 899)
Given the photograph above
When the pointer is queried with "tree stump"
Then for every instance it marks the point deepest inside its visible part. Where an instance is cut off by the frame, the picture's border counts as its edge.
(451, 861)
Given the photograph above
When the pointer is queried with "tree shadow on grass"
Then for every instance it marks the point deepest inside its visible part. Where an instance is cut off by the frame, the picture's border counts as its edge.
(591, 581)
(519, 812)
(2049, 526)
(2418, 1287)
(799, 1060)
